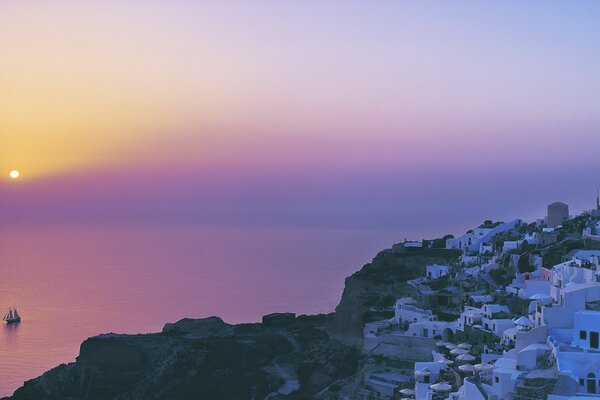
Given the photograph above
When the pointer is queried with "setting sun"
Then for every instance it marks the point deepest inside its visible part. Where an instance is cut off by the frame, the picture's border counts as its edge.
(14, 174)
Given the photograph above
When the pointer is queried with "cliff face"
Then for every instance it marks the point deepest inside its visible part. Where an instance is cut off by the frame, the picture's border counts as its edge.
(368, 292)
(309, 357)
(201, 359)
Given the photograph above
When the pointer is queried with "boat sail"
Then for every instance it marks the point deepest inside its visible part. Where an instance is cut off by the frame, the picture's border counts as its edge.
(12, 316)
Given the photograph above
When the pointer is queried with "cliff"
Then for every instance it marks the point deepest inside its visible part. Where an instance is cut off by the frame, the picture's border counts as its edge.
(371, 292)
(308, 357)
(202, 359)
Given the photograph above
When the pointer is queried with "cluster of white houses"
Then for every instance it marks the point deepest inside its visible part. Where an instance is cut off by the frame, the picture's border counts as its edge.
(550, 349)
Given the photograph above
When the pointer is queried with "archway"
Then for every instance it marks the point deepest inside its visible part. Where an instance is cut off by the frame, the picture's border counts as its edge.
(591, 383)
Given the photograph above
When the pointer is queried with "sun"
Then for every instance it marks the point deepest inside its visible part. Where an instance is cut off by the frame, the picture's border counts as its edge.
(14, 174)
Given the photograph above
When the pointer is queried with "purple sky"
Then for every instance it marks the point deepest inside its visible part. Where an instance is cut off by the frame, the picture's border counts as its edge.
(423, 117)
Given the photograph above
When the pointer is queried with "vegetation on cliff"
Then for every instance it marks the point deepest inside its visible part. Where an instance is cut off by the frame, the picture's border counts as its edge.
(368, 292)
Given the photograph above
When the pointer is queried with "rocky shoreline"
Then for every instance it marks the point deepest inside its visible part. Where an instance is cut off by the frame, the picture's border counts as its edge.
(304, 357)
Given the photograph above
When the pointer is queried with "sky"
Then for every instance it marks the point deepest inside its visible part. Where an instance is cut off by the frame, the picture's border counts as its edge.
(426, 117)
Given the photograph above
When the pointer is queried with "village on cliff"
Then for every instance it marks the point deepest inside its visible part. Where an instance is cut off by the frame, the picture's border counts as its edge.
(517, 316)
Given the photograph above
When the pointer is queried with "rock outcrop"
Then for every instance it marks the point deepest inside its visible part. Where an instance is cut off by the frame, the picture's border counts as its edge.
(202, 359)
(304, 357)
(368, 292)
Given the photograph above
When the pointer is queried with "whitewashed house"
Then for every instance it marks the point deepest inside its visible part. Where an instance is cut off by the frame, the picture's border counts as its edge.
(585, 255)
(586, 332)
(528, 284)
(426, 373)
(571, 299)
(504, 377)
(475, 240)
(579, 361)
(406, 312)
(436, 271)
(496, 318)
(469, 317)
(430, 329)
(567, 273)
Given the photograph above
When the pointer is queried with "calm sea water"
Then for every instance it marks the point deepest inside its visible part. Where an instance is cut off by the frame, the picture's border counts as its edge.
(72, 282)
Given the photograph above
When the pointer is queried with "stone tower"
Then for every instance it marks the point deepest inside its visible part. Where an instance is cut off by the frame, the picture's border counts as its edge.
(557, 214)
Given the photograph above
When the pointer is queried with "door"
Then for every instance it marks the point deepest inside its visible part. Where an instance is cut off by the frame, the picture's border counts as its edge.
(594, 340)
(591, 383)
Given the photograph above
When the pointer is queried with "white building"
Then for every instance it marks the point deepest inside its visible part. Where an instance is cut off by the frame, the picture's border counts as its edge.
(528, 284)
(492, 310)
(582, 368)
(406, 312)
(468, 239)
(587, 330)
(504, 377)
(571, 299)
(384, 385)
(436, 271)
(592, 231)
(425, 374)
(530, 238)
(569, 273)
(476, 241)
(585, 255)
(469, 317)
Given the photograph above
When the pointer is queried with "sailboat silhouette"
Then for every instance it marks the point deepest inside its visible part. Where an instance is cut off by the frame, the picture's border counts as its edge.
(12, 316)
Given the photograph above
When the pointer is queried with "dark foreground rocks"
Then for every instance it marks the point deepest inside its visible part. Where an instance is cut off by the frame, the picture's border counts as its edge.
(203, 359)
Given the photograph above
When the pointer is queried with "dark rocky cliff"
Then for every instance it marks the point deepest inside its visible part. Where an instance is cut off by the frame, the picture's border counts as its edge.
(308, 357)
(202, 359)
(368, 292)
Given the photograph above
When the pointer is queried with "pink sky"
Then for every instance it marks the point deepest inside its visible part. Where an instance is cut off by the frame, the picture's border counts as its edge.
(339, 114)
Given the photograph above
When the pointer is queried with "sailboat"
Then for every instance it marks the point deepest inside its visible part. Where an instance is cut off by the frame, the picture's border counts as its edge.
(12, 316)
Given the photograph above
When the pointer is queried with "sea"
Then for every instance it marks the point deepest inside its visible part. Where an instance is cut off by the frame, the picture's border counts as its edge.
(73, 281)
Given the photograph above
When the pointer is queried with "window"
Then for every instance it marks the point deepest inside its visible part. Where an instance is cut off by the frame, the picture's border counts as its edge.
(582, 335)
(497, 379)
(581, 382)
(594, 340)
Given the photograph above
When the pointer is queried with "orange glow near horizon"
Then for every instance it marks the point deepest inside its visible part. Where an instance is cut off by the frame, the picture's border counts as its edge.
(86, 89)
